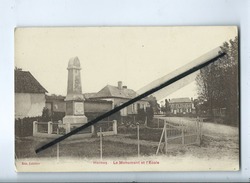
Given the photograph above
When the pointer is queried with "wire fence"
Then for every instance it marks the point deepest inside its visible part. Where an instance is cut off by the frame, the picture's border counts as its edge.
(138, 140)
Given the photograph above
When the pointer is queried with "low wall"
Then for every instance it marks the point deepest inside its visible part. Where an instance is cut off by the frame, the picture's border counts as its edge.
(50, 129)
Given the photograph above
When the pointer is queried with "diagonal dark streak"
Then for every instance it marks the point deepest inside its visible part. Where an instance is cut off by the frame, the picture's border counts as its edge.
(139, 97)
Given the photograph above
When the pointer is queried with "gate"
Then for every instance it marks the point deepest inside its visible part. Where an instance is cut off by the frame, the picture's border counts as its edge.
(176, 134)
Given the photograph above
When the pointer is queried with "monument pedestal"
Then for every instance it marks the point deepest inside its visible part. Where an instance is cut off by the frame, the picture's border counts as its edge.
(74, 115)
(75, 119)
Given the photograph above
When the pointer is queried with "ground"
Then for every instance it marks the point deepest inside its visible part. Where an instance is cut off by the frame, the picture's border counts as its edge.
(219, 142)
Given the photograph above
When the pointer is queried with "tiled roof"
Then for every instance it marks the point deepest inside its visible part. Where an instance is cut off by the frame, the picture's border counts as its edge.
(97, 100)
(26, 83)
(180, 100)
(113, 91)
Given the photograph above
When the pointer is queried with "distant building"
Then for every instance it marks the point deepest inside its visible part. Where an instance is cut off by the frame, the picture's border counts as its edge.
(181, 105)
(118, 95)
(29, 95)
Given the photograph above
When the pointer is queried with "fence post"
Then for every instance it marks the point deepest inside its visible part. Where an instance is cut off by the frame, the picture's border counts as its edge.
(92, 129)
(67, 127)
(198, 131)
(146, 121)
(182, 133)
(101, 143)
(158, 122)
(115, 126)
(166, 138)
(201, 124)
(138, 138)
(57, 149)
(163, 131)
(49, 127)
(34, 128)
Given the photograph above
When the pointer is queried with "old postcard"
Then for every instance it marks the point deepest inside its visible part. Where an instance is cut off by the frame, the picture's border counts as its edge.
(67, 77)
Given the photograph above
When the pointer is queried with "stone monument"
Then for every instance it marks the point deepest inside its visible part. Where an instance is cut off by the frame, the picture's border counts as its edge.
(74, 99)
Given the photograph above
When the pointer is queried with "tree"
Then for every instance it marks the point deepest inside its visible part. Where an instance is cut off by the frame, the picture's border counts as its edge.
(217, 83)
(167, 106)
(46, 116)
(153, 103)
(150, 114)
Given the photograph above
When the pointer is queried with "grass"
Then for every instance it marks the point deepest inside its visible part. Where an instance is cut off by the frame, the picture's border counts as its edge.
(25, 148)
(145, 134)
(218, 141)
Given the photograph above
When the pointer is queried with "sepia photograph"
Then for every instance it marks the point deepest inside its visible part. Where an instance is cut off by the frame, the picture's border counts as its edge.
(66, 77)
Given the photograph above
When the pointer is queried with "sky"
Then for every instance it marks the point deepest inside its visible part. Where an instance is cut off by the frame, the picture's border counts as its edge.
(134, 55)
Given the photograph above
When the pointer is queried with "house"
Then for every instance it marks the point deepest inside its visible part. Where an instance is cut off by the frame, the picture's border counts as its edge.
(118, 95)
(181, 105)
(29, 95)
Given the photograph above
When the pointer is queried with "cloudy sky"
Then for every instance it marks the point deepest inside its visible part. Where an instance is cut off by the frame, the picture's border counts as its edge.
(134, 55)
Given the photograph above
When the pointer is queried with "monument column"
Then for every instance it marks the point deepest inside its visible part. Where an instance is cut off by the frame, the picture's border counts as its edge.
(74, 99)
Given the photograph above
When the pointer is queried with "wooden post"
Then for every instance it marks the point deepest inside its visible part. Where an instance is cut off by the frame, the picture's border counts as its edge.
(134, 119)
(201, 124)
(57, 150)
(138, 138)
(198, 131)
(115, 127)
(92, 129)
(182, 133)
(158, 120)
(146, 121)
(158, 148)
(101, 143)
(166, 138)
(34, 128)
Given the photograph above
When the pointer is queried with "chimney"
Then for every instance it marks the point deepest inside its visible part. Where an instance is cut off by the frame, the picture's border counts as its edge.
(125, 87)
(119, 85)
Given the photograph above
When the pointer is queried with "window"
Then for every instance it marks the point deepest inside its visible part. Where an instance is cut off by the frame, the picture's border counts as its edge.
(133, 108)
(123, 111)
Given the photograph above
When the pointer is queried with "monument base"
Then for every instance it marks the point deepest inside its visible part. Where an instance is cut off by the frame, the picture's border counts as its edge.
(75, 119)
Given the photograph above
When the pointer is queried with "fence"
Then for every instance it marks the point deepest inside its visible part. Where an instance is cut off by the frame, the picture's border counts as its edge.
(179, 134)
(157, 123)
(58, 128)
(140, 140)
